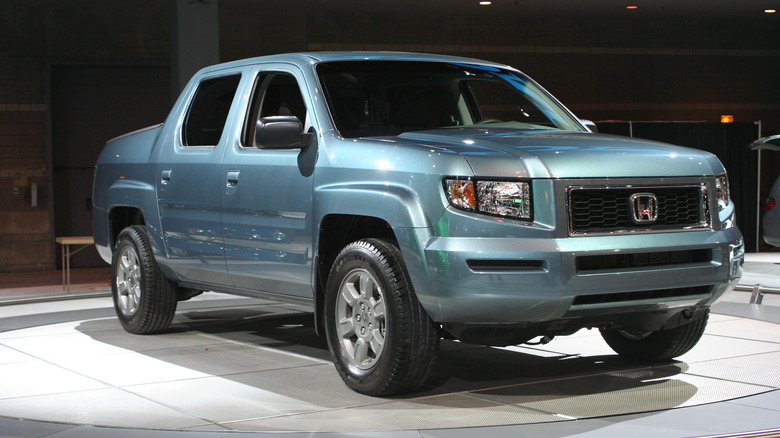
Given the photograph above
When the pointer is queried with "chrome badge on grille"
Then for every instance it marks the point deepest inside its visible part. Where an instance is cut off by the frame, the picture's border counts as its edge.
(644, 208)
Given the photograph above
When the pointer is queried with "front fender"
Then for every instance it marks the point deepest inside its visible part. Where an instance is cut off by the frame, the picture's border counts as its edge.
(397, 205)
(402, 209)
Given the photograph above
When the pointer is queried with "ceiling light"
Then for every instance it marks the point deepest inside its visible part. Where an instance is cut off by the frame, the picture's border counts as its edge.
(485, 3)
(770, 11)
(632, 7)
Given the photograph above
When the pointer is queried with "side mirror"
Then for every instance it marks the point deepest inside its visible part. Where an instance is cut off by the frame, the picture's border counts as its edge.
(590, 125)
(771, 143)
(281, 132)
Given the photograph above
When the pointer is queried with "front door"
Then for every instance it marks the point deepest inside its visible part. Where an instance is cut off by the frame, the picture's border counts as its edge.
(267, 195)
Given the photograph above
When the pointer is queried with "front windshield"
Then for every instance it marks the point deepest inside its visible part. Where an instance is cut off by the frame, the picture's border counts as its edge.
(383, 98)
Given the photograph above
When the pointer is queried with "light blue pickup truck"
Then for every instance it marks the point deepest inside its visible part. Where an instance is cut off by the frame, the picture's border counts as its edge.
(406, 198)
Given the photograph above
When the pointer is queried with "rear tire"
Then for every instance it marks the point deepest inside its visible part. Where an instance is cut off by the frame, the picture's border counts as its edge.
(144, 300)
(656, 346)
(381, 339)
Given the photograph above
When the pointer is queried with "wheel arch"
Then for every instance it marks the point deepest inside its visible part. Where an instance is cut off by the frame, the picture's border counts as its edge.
(335, 232)
(121, 217)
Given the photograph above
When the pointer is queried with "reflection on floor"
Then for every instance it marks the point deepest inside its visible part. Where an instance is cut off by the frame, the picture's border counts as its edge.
(236, 364)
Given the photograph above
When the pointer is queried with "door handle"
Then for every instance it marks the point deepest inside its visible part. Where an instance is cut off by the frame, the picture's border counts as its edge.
(232, 178)
(232, 182)
(165, 177)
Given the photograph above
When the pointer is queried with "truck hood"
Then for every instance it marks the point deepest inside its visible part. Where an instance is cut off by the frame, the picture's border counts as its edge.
(559, 154)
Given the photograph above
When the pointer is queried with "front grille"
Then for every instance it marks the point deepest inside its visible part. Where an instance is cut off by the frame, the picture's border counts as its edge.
(622, 262)
(658, 294)
(610, 209)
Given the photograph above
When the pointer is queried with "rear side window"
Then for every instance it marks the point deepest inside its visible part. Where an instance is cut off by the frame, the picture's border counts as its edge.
(209, 110)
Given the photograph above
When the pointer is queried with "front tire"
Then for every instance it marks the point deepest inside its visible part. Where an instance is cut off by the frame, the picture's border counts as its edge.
(381, 339)
(144, 300)
(658, 346)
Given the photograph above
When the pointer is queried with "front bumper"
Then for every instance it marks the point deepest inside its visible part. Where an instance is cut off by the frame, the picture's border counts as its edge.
(521, 281)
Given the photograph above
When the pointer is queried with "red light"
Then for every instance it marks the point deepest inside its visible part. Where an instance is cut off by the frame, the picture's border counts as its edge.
(632, 7)
(770, 203)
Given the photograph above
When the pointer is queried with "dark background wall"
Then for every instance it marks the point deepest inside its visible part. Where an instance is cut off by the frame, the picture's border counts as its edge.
(90, 104)
(661, 62)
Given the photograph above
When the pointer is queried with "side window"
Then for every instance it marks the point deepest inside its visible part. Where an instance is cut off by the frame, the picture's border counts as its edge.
(275, 94)
(209, 110)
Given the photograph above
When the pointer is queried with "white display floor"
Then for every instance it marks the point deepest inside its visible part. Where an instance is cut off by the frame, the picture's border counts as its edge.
(236, 364)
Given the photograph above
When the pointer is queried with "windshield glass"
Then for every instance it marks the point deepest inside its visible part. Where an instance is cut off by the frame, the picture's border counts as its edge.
(381, 98)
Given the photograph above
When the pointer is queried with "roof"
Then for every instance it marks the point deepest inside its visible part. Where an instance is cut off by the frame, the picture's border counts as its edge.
(305, 58)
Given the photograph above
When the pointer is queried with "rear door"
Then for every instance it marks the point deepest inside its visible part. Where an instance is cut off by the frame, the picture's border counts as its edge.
(190, 182)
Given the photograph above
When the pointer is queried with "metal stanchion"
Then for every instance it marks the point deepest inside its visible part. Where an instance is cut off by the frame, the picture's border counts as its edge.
(756, 297)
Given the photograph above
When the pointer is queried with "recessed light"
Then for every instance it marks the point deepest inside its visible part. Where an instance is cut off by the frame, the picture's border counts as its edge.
(485, 3)
(770, 11)
(632, 7)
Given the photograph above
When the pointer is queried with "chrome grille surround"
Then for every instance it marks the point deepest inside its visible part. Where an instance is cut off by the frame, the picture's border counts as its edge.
(606, 209)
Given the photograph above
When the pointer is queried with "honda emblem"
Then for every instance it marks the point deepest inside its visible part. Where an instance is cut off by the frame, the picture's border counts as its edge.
(644, 208)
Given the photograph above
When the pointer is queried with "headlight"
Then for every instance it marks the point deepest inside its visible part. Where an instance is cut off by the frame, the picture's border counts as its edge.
(722, 192)
(498, 198)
